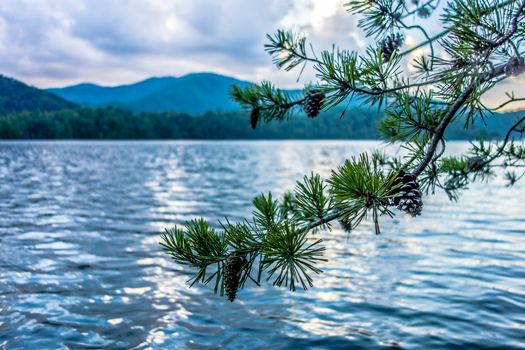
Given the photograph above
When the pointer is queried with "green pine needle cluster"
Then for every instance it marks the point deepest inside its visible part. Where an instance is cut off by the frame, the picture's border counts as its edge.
(360, 187)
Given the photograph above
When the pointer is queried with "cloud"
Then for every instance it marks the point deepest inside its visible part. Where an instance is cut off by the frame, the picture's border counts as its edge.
(54, 42)
(62, 42)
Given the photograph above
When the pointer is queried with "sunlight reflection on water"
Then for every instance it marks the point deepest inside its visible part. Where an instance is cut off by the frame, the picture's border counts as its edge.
(81, 267)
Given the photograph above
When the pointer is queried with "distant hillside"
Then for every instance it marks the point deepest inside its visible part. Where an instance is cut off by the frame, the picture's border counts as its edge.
(194, 103)
(193, 93)
(16, 97)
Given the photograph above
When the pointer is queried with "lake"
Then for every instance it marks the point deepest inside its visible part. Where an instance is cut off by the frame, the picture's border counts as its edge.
(81, 266)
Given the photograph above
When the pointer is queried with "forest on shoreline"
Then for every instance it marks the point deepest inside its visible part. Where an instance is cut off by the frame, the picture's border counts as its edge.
(116, 123)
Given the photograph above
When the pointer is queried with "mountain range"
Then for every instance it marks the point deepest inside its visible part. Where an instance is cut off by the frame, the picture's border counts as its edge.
(16, 97)
(193, 93)
(192, 106)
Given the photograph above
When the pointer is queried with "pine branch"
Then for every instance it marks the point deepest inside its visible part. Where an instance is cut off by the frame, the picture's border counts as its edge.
(483, 42)
(511, 99)
(440, 130)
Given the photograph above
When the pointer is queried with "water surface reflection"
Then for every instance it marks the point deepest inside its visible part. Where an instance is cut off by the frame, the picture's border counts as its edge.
(80, 264)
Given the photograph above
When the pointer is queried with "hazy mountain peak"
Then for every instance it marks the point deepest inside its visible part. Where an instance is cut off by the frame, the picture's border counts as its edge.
(192, 93)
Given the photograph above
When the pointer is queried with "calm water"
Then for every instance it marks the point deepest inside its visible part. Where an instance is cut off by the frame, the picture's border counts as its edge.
(81, 267)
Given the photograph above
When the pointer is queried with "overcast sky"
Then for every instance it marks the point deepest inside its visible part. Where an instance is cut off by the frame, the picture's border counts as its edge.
(52, 43)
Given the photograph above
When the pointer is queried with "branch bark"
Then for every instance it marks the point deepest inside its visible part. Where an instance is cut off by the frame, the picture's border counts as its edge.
(449, 116)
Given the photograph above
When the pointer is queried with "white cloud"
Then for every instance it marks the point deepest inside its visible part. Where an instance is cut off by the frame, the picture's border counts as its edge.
(58, 42)
(110, 42)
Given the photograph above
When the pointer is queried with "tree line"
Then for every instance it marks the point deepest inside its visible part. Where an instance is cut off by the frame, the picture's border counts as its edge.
(115, 123)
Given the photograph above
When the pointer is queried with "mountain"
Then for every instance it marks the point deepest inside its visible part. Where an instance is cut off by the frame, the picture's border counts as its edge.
(16, 97)
(193, 104)
(193, 93)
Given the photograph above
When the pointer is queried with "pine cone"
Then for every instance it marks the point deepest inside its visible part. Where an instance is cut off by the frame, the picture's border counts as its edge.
(254, 116)
(312, 103)
(475, 163)
(514, 67)
(232, 274)
(423, 12)
(408, 197)
(389, 45)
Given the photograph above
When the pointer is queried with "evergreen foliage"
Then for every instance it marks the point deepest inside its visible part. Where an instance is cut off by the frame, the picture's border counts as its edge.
(482, 45)
(115, 123)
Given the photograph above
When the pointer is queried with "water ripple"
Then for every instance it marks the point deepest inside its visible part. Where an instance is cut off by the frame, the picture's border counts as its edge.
(81, 267)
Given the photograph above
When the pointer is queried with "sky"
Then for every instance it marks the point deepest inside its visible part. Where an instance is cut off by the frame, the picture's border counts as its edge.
(55, 43)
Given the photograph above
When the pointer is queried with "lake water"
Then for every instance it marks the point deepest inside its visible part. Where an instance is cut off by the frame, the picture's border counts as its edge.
(81, 266)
